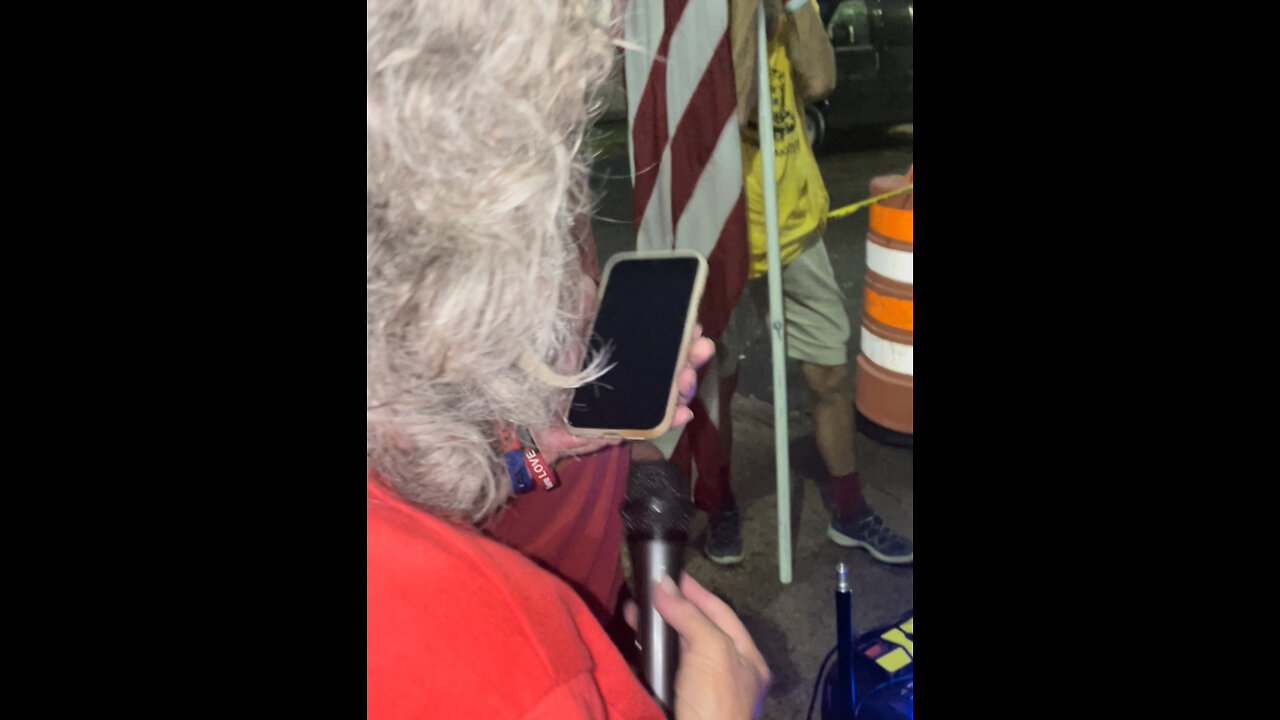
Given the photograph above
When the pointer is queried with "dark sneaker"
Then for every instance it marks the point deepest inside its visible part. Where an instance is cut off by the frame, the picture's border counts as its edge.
(869, 531)
(724, 541)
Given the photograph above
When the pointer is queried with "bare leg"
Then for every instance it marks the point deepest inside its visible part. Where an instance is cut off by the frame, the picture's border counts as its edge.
(832, 415)
(853, 523)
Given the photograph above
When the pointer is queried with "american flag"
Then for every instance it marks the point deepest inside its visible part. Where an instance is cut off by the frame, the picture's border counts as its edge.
(686, 167)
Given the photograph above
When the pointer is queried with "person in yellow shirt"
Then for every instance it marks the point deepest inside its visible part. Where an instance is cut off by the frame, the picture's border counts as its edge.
(801, 69)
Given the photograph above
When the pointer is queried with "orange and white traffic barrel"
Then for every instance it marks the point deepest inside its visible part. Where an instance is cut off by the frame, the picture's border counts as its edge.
(884, 390)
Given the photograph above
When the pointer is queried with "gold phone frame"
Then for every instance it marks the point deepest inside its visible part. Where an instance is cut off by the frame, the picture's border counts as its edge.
(699, 284)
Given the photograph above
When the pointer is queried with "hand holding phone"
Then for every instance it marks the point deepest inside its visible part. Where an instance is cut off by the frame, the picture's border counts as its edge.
(648, 303)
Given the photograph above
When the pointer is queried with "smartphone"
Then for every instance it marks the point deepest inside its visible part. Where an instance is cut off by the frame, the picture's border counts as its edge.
(648, 304)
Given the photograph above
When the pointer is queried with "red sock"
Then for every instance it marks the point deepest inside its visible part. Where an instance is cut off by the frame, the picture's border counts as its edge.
(846, 492)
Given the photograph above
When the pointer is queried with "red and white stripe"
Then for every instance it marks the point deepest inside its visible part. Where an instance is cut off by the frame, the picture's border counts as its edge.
(686, 171)
(686, 163)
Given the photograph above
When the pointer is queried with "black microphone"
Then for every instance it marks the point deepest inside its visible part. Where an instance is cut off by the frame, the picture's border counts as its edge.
(656, 517)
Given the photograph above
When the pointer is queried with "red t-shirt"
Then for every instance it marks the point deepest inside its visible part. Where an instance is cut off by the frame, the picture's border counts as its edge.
(459, 626)
(575, 531)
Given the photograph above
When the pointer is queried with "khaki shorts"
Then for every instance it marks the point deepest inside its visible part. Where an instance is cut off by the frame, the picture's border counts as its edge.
(817, 322)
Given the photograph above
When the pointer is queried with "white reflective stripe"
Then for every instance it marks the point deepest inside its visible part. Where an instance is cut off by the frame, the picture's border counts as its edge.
(894, 264)
(655, 231)
(693, 41)
(715, 194)
(888, 354)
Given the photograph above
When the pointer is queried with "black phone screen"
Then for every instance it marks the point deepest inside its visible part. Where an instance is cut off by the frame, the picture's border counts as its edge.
(641, 320)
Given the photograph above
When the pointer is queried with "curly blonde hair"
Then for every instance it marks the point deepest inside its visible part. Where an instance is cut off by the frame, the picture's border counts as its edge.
(475, 113)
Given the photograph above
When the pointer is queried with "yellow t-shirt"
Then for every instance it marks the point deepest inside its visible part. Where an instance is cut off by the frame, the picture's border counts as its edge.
(802, 197)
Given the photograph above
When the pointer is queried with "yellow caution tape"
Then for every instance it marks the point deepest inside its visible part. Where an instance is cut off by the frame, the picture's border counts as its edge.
(851, 209)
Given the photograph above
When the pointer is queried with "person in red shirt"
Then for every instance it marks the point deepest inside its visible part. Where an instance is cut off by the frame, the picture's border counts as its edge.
(474, 319)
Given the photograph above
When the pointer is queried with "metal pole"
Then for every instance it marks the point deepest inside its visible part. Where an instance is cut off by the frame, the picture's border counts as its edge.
(764, 105)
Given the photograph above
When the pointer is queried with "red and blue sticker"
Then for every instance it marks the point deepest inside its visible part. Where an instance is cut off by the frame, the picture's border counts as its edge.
(525, 465)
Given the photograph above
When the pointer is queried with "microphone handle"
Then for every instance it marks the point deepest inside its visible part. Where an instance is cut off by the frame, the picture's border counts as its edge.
(659, 645)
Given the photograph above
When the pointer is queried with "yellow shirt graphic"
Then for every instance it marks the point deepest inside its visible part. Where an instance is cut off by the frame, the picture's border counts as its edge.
(802, 197)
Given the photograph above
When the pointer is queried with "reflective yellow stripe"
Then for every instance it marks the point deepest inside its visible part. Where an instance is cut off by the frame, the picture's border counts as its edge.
(894, 661)
(897, 637)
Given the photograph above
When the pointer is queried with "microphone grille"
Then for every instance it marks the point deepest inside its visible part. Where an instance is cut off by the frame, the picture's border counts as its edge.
(657, 505)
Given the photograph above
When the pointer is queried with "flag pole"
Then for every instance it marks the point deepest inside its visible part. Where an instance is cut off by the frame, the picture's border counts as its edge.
(764, 106)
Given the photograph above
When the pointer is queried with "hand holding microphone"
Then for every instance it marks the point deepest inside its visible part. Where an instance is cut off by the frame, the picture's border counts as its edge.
(655, 517)
(721, 673)
(714, 670)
